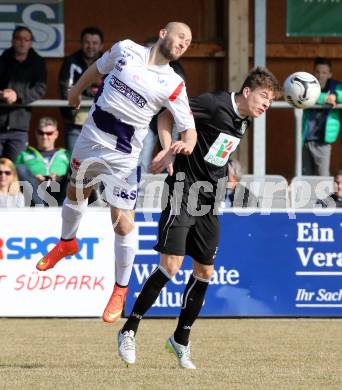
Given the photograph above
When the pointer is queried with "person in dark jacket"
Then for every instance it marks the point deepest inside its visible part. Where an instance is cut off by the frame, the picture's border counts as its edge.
(22, 81)
(335, 198)
(321, 127)
(72, 69)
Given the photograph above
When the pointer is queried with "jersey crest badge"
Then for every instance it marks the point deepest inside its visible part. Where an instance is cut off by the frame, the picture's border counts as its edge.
(120, 63)
(243, 127)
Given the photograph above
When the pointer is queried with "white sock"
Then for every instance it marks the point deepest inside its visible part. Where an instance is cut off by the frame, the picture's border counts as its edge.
(125, 249)
(72, 212)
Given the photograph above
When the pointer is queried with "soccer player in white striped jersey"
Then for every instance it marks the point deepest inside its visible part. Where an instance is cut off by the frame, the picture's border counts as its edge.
(139, 83)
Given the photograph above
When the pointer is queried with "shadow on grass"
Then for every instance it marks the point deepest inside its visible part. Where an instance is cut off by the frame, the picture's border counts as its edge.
(17, 365)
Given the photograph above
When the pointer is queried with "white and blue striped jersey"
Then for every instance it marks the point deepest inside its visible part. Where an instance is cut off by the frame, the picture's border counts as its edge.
(132, 93)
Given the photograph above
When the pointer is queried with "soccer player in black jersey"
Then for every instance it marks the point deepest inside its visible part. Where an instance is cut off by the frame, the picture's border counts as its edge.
(189, 225)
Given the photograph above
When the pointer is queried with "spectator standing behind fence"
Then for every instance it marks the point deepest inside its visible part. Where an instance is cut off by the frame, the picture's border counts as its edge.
(10, 195)
(45, 164)
(22, 80)
(72, 69)
(321, 126)
(334, 199)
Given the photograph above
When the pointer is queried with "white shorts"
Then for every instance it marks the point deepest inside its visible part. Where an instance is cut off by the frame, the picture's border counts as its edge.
(92, 163)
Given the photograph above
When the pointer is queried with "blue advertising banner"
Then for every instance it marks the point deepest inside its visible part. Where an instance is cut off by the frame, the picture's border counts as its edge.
(266, 265)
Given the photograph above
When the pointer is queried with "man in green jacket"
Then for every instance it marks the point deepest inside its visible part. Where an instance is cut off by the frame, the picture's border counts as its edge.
(321, 126)
(45, 167)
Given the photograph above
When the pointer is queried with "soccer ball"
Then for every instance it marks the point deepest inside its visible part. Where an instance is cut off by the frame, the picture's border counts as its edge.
(301, 90)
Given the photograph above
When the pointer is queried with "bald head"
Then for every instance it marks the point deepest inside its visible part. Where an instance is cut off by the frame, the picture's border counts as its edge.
(174, 40)
(175, 25)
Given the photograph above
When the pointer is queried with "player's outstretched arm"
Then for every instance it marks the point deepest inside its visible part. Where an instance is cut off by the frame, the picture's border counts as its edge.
(188, 137)
(165, 122)
(88, 77)
(186, 144)
(163, 160)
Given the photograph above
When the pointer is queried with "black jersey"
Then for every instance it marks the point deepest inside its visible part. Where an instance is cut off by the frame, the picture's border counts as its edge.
(219, 130)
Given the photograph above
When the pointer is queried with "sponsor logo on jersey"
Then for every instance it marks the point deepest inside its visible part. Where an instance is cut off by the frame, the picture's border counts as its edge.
(124, 193)
(125, 54)
(162, 82)
(120, 63)
(221, 149)
(225, 148)
(127, 91)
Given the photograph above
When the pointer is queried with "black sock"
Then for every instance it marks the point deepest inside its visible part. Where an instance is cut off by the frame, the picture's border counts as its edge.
(193, 298)
(146, 299)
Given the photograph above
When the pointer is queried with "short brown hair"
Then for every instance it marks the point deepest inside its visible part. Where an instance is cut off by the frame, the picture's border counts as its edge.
(92, 31)
(261, 77)
(338, 173)
(47, 121)
(322, 61)
(21, 28)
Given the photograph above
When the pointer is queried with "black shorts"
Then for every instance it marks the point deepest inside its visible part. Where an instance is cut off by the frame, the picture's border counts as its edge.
(181, 233)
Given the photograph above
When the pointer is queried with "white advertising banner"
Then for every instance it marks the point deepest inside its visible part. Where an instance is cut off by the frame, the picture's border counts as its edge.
(78, 286)
(44, 18)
